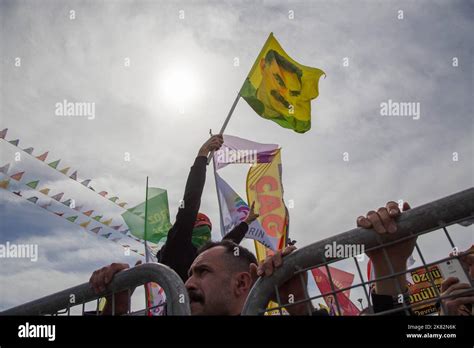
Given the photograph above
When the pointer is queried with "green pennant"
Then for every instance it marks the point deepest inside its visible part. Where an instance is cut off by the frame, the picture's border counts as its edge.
(33, 184)
(54, 164)
(113, 199)
(72, 218)
(158, 217)
(97, 218)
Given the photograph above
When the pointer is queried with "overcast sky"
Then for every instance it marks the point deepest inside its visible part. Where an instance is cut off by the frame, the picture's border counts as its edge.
(145, 109)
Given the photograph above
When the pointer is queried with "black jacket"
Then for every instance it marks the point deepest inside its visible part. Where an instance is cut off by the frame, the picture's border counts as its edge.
(179, 251)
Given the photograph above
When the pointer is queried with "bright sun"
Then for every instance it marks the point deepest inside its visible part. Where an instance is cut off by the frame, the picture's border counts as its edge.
(179, 86)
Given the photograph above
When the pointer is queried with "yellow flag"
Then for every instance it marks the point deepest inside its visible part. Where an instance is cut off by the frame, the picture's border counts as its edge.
(4, 183)
(85, 224)
(107, 222)
(280, 89)
(265, 189)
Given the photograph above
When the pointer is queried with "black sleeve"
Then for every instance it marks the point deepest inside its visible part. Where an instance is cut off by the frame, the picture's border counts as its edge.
(238, 233)
(178, 251)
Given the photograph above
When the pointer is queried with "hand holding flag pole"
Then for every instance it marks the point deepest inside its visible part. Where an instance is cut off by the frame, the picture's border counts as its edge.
(231, 111)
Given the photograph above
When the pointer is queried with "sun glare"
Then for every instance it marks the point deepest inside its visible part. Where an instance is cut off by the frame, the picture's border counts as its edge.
(179, 86)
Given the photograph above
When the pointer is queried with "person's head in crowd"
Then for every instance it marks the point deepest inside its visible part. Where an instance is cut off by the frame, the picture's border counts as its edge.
(220, 278)
(201, 231)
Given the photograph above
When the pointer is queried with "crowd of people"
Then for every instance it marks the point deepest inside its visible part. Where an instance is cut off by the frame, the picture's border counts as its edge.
(219, 275)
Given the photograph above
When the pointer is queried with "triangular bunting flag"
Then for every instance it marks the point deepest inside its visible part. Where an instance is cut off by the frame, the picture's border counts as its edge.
(122, 204)
(44, 191)
(33, 184)
(115, 240)
(17, 176)
(113, 199)
(107, 235)
(103, 193)
(14, 142)
(54, 164)
(107, 223)
(96, 229)
(72, 218)
(67, 203)
(59, 214)
(4, 183)
(3, 133)
(5, 168)
(85, 224)
(43, 156)
(91, 188)
(88, 213)
(124, 231)
(78, 208)
(29, 150)
(46, 205)
(74, 175)
(33, 199)
(18, 193)
(86, 182)
(116, 227)
(97, 218)
(58, 196)
(65, 170)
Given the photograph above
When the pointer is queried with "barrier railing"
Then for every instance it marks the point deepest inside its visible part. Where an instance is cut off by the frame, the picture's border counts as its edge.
(454, 209)
(439, 214)
(60, 303)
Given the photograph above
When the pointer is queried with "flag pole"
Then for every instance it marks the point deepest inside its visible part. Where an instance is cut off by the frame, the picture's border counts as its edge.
(231, 111)
(254, 66)
(147, 256)
(217, 190)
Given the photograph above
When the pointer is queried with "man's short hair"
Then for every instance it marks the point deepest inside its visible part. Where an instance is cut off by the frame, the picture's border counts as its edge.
(239, 257)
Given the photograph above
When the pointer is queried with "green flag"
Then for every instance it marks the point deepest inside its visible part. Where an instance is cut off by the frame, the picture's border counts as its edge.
(158, 216)
(33, 184)
(54, 164)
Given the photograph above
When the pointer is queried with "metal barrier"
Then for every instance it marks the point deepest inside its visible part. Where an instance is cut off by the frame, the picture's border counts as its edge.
(177, 300)
(456, 208)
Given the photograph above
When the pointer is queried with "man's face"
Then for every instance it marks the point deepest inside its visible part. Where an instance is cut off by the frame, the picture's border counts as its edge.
(279, 88)
(210, 284)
